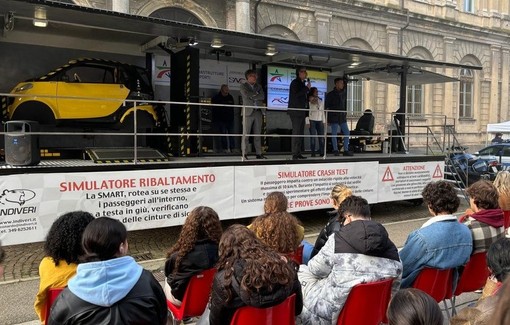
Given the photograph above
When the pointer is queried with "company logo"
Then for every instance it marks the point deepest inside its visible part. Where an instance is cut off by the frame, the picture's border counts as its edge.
(19, 196)
(276, 76)
(281, 100)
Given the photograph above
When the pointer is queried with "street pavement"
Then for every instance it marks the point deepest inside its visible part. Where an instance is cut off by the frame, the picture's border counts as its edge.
(20, 283)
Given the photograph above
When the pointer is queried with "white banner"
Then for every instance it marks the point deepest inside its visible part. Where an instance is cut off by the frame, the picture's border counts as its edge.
(406, 181)
(140, 199)
(214, 73)
(307, 187)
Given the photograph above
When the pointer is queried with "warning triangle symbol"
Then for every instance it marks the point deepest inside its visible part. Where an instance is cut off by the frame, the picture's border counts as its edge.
(438, 173)
(388, 176)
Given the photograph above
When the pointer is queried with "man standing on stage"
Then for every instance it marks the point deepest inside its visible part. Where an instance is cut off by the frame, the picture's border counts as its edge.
(298, 99)
(337, 115)
(223, 118)
(253, 99)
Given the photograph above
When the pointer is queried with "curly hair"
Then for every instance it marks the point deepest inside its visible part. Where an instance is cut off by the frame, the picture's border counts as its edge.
(339, 193)
(262, 267)
(63, 241)
(484, 194)
(275, 202)
(498, 258)
(277, 230)
(441, 197)
(202, 223)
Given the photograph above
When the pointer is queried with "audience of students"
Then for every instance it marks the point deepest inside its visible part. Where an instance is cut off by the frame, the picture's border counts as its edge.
(486, 222)
(249, 274)
(62, 252)
(338, 194)
(360, 251)
(498, 262)
(196, 250)
(109, 287)
(442, 242)
(277, 228)
(413, 307)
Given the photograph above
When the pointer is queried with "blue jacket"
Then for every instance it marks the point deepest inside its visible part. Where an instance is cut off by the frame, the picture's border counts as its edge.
(441, 243)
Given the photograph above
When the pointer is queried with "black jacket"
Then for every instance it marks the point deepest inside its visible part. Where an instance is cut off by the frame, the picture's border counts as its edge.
(298, 93)
(144, 304)
(336, 102)
(221, 312)
(225, 114)
(203, 256)
(365, 237)
(332, 226)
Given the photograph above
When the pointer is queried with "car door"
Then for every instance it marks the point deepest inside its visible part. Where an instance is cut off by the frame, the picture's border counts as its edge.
(89, 92)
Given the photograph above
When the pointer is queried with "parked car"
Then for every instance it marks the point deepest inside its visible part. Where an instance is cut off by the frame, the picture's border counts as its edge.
(467, 168)
(499, 152)
(86, 92)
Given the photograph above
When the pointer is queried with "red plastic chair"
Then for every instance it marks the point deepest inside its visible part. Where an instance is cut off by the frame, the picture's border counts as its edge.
(437, 283)
(195, 298)
(366, 303)
(473, 277)
(297, 256)
(51, 296)
(282, 314)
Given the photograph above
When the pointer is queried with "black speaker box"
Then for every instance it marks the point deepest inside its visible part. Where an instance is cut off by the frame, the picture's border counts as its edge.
(21, 147)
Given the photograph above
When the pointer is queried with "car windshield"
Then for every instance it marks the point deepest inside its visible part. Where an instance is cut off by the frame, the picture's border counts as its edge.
(493, 151)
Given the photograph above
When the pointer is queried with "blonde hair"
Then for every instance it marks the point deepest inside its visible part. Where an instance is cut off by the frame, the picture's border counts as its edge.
(502, 181)
(339, 193)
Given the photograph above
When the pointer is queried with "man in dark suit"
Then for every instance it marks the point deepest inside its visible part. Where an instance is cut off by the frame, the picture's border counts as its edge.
(298, 99)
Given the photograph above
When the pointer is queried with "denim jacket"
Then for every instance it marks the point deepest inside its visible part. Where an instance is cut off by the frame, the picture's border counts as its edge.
(441, 243)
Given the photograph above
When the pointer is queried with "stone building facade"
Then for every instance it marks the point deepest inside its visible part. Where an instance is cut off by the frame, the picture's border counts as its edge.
(473, 32)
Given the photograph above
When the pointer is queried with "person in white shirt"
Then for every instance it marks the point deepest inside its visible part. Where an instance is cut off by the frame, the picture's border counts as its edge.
(316, 118)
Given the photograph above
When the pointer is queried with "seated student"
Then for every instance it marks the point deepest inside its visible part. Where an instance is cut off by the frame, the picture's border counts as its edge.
(498, 262)
(501, 314)
(249, 274)
(338, 194)
(196, 250)
(365, 124)
(277, 228)
(486, 223)
(442, 242)
(62, 251)
(414, 307)
(360, 251)
(109, 287)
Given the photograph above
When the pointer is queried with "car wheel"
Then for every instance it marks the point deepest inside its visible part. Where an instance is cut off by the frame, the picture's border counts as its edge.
(145, 123)
(34, 111)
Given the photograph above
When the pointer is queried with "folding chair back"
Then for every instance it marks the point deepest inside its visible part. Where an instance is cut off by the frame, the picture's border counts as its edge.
(366, 303)
(437, 283)
(196, 296)
(282, 314)
(474, 275)
(297, 256)
(51, 296)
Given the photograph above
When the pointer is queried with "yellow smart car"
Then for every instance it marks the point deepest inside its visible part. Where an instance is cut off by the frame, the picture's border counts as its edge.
(90, 92)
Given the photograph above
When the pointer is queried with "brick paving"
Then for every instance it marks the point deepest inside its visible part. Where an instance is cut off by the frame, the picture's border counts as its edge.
(22, 261)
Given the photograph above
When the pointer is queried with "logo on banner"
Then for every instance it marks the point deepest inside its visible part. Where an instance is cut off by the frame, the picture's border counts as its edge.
(388, 176)
(281, 100)
(276, 76)
(438, 173)
(19, 196)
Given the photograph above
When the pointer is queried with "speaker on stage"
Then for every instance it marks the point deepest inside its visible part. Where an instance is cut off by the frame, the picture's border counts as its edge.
(21, 147)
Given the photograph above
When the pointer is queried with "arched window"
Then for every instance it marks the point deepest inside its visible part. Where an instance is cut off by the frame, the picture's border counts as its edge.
(466, 94)
(176, 14)
(355, 97)
(414, 99)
